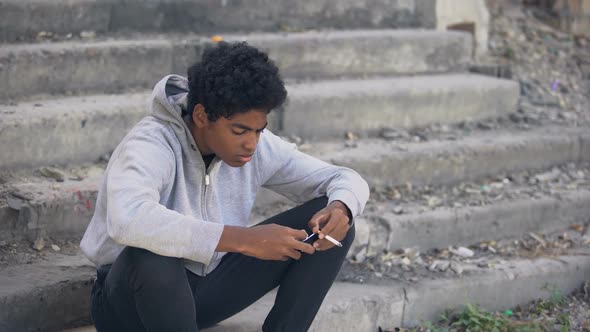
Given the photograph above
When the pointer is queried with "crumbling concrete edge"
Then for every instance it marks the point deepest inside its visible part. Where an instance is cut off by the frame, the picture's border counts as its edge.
(439, 228)
(520, 283)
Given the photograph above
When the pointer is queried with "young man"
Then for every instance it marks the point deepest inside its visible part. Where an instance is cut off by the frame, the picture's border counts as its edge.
(170, 235)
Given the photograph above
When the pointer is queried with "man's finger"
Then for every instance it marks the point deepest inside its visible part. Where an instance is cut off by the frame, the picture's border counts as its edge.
(304, 247)
(299, 234)
(329, 228)
(293, 254)
(316, 221)
(321, 245)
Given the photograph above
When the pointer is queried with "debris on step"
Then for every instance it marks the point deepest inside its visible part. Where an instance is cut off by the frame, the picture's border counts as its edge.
(462, 251)
(53, 173)
(39, 244)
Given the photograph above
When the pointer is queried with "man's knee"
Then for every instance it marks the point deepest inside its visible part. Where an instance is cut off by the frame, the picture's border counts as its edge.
(146, 267)
(349, 238)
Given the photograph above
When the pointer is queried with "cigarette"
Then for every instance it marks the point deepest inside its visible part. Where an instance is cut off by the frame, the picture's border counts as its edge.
(333, 240)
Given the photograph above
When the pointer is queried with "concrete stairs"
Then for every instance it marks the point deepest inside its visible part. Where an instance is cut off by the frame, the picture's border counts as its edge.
(67, 102)
(24, 20)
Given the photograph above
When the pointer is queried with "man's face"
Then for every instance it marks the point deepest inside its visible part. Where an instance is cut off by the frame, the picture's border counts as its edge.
(234, 139)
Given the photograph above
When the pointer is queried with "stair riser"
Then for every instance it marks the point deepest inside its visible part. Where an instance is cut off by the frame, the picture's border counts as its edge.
(369, 106)
(48, 308)
(453, 163)
(79, 133)
(117, 66)
(499, 291)
(22, 20)
(409, 305)
(87, 128)
(468, 226)
(68, 214)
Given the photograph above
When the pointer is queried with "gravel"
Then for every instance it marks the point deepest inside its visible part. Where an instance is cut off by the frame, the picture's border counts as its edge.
(552, 67)
(27, 252)
(409, 265)
(502, 187)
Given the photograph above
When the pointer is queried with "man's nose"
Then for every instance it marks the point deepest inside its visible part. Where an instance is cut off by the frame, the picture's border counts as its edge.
(251, 142)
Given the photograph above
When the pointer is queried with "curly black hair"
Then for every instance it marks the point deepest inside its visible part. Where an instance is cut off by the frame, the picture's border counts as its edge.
(234, 78)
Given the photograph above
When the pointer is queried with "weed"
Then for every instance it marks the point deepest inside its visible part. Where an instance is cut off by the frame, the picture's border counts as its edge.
(476, 320)
(564, 320)
(509, 53)
(556, 298)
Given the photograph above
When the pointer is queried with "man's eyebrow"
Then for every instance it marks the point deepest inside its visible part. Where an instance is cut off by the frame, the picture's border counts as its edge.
(241, 126)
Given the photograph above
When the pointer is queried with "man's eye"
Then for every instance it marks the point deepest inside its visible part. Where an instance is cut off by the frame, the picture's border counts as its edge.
(239, 133)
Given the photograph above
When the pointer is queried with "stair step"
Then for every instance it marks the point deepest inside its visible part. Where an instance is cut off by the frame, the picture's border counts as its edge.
(63, 209)
(440, 162)
(37, 207)
(350, 307)
(364, 307)
(399, 218)
(330, 109)
(114, 66)
(23, 20)
(444, 227)
(80, 129)
(67, 130)
(47, 295)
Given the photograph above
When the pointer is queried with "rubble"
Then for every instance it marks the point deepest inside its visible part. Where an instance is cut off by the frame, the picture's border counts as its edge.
(501, 187)
(549, 64)
(409, 265)
(52, 172)
(24, 252)
(39, 244)
(462, 251)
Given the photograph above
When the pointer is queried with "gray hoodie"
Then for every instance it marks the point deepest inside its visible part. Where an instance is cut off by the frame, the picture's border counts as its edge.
(157, 194)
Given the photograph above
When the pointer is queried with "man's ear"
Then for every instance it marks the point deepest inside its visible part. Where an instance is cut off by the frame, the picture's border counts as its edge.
(200, 116)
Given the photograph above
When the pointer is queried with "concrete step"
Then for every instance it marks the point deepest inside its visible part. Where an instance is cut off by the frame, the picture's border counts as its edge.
(38, 207)
(440, 162)
(79, 129)
(32, 205)
(352, 307)
(361, 307)
(68, 130)
(114, 66)
(466, 226)
(369, 105)
(23, 20)
(464, 214)
(47, 295)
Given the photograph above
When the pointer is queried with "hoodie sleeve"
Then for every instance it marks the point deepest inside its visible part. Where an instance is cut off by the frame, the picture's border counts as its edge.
(301, 177)
(141, 170)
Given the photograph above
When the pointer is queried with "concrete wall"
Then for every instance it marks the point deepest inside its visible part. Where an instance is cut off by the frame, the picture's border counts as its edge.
(574, 16)
(445, 14)
(460, 13)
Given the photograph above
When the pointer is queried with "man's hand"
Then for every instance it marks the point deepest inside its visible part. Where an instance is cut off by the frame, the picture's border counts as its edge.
(274, 242)
(332, 220)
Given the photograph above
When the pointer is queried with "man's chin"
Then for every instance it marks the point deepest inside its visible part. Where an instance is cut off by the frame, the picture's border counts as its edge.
(236, 163)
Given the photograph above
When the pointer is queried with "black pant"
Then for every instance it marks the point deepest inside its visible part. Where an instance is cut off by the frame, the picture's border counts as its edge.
(143, 291)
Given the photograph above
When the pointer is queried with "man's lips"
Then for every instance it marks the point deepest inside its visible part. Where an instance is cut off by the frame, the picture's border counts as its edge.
(245, 158)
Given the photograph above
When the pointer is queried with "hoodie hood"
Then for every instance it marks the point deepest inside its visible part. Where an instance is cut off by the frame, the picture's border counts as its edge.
(169, 99)
(169, 104)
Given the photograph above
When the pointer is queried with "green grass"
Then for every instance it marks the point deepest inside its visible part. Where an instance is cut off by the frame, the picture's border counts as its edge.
(475, 319)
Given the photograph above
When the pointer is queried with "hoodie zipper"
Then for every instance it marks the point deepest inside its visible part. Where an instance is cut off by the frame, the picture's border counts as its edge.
(204, 209)
(204, 201)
